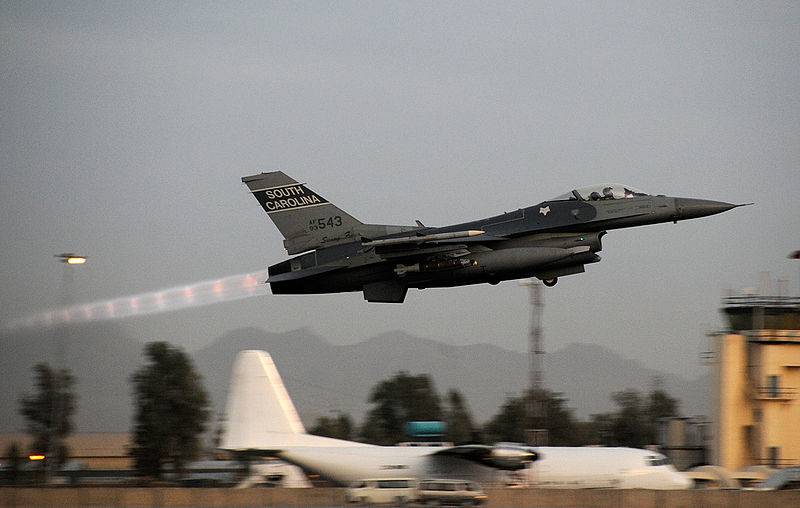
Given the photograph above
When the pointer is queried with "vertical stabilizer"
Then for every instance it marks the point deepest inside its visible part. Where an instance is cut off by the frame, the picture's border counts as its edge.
(305, 219)
(259, 409)
(260, 414)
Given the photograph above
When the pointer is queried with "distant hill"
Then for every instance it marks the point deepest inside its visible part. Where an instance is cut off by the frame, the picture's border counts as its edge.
(323, 378)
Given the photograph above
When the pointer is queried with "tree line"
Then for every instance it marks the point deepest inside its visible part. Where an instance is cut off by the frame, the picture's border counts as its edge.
(405, 397)
(171, 415)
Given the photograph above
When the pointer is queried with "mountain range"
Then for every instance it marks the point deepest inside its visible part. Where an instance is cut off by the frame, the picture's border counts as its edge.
(325, 379)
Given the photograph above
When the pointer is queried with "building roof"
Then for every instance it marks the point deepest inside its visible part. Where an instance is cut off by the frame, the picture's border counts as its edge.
(82, 445)
(751, 312)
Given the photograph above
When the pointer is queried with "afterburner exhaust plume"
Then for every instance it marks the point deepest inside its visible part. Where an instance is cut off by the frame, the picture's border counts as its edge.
(199, 294)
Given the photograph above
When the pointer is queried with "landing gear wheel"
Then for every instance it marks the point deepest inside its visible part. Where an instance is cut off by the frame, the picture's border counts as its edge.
(550, 282)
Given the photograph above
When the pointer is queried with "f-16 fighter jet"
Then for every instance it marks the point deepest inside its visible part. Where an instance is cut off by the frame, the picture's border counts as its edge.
(558, 237)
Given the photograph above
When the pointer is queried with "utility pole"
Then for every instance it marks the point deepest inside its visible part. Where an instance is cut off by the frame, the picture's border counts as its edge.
(535, 405)
(59, 370)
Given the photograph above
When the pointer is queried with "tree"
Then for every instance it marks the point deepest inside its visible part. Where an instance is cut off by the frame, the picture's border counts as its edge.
(398, 400)
(219, 431)
(560, 421)
(659, 405)
(628, 426)
(460, 429)
(586, 433)
(598, 429)
(340, 427)
(171, 411)
(511, 422)
(635, 423)
(48, 413)
(14, 463)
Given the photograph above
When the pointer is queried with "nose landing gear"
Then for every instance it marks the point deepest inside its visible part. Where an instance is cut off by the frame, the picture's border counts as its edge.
(550, 282)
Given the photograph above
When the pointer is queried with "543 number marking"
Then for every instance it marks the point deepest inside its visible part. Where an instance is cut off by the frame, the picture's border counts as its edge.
(324, 222)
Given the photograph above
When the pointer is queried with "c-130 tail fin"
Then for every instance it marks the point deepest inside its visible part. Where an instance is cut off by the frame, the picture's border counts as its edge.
(305, 219)
(260, 414)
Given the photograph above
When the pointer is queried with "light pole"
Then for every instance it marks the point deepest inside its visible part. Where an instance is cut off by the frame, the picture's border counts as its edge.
(69, 260)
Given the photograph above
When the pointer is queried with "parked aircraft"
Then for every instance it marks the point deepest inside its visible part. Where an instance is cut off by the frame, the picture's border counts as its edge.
(553, 239)
(261, 419)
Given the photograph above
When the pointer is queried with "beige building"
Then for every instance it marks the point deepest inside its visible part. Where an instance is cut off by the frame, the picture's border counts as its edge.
(755, 409)
(98, 450)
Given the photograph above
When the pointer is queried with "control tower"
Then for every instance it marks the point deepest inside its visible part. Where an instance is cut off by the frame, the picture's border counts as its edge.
(755, 381)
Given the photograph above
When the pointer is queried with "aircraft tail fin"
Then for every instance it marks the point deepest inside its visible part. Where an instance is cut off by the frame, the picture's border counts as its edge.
(260, 414)
(305, 219)
(258, 404)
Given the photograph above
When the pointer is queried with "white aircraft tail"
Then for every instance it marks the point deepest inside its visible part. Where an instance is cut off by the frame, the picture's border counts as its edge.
(260, 413)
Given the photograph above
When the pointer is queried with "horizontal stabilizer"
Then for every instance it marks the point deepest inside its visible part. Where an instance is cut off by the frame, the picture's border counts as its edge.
(301, 274)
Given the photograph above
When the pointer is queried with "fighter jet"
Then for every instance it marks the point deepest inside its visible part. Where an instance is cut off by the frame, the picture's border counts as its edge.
(555, 238)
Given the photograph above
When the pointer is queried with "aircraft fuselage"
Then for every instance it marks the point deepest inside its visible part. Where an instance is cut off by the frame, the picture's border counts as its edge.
(548, 240)
(551, 239)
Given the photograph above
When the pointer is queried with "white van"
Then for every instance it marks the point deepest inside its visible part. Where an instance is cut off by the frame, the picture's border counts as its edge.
(383, 490)
(451, 492)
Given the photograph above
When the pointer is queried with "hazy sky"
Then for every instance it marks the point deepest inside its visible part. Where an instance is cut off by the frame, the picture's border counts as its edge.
(126, 128)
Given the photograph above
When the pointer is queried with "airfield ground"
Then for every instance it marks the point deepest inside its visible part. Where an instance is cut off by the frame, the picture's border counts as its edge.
(119, 497)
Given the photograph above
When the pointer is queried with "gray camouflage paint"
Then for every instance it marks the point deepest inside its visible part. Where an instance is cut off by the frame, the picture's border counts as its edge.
(548, 240)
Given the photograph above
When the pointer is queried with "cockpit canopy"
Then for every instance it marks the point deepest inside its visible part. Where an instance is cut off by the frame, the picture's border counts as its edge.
(602, 191)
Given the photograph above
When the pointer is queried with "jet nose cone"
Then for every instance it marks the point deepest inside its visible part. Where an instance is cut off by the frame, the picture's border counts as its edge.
(689, 208)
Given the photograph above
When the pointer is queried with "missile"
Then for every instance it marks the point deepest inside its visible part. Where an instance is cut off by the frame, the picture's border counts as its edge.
(435, 266)
(423, 238)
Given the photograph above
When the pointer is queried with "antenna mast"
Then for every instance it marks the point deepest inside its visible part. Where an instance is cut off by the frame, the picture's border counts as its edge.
(536, 435)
